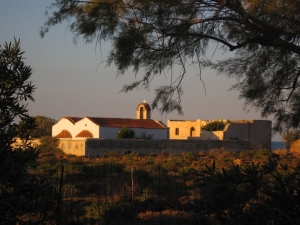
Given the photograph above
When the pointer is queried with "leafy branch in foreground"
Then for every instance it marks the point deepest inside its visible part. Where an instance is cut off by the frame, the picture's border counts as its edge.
(24, 197)
(161, 36)
(249, 194)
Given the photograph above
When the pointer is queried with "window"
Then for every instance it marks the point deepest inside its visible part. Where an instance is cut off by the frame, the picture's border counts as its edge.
(192, 132)
(176, 131)
(141, 113)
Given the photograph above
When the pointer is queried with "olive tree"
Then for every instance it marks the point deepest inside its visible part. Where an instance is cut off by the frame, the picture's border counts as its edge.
(43, 126)
(23, 196)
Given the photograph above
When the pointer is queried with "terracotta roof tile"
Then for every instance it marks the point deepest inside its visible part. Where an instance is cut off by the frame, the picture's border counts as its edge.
(130, 123)
(73, 119)
(85, 134)
(64, 134)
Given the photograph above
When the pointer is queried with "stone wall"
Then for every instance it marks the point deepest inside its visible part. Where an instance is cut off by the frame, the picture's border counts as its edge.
(186, 128)
(97, 147)
(73, 146)
(257, 132)
(208, 135)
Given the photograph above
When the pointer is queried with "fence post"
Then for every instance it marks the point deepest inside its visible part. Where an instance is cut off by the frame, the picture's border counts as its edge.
(60, 185)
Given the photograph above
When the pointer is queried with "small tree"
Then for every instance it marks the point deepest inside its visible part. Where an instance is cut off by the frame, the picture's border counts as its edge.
(125, 133)
(289, 136)
(43, 126)
(50, 146)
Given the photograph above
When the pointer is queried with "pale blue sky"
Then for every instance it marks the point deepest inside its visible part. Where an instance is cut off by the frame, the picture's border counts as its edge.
(71, 82)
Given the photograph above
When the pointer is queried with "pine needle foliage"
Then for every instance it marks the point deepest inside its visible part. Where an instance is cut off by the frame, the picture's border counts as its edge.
(159, 36)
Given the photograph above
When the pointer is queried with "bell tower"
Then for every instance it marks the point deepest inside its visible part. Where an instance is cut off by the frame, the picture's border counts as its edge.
(143, 111)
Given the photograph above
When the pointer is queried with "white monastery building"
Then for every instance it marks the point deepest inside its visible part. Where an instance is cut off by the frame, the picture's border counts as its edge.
(107, 128)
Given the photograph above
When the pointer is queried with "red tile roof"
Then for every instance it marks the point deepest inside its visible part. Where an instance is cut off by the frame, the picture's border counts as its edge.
(85, 134)
(73, 119)
(64, 134)
(130, 123)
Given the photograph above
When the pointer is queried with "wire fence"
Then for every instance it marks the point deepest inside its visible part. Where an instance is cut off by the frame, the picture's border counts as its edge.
(121, 193)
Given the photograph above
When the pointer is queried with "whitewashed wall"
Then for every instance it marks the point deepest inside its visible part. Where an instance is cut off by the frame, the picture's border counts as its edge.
(207, 135)
(64, 124)
(86, 124)
(111, 132)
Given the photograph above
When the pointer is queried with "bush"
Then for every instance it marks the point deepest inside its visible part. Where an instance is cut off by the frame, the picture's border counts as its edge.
(289, 136)
(110, 213)
(49, 145)
(145, 136)
(43, 126)
(249, 194)
(186, 171)
(173, 163)
(219, 153)
(189, 156)
(125, 133)
(111, 154)
(263, 154)
(214, 126)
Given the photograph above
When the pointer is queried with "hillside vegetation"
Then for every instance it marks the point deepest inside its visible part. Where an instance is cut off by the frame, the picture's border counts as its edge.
(214, 187)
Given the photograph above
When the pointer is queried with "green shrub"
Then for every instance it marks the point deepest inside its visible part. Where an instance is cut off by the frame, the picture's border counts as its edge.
(214, 125)
(249, 194)
(245, 154)
(190, 156)
(219, 153)
(69, 190)
(49, 144)
(125, 133)
(173, 163)
(263, 154)
(149, 159)
(289, 136)
(111, 154)
(106, 213)
(145, 136)
(186, 171)
(43, 126)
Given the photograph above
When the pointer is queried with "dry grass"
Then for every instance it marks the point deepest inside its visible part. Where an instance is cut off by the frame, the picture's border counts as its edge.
(295, 146)
(164, 217)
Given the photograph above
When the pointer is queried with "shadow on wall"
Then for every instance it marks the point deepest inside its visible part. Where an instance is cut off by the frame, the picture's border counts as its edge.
(215, 135)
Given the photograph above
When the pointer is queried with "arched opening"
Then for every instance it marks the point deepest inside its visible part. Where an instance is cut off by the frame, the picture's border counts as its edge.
(142, 113)
(64, 134)
(177, 131)
(85, 134)
(192, 132)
